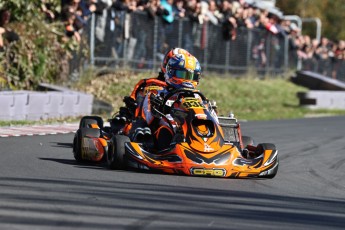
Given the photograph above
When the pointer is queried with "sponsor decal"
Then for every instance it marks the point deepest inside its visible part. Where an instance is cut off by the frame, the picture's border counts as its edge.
(192, 103)
(190, 64)
(85, 147)
(201, 116)
(169, 103)
(208, 172)
(152, 88)
(207, 148)
(188, 84)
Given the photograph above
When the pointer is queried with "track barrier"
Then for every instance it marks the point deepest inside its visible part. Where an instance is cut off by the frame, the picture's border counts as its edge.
(30, 105)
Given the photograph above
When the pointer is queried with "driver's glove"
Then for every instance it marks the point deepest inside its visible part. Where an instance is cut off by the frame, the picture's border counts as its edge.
(156, 102)
(130, 103)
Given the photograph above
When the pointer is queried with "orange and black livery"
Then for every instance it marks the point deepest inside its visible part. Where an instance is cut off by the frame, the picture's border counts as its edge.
(203, 144)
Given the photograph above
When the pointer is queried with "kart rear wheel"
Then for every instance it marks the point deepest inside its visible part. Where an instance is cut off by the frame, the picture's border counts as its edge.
(77, 141)
(116, 152)
(77, 146)
(86, 121)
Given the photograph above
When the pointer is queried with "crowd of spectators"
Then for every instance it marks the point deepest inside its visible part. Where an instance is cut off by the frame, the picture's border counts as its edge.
(325, 56)
(230, 15)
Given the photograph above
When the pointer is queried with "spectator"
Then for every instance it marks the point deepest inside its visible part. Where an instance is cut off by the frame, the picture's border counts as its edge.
(154, 8)
(46, 9)
(71, 30)
(7, 35)
(71, 15)
(229, 23)
(259, 54)
(179, 9)
(126, 6)
(207, 12)
(193, 10)
(168, 16)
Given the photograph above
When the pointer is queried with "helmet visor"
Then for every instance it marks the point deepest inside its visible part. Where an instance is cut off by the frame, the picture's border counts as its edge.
(196, 76)
(184, 74)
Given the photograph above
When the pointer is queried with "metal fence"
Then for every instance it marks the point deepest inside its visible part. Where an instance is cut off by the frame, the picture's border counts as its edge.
(331, 67)
(139, 42)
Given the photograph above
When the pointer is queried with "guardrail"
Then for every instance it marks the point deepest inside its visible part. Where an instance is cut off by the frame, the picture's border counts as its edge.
(30, 105)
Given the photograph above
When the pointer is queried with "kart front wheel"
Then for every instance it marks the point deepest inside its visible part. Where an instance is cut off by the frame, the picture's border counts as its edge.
(116, 152)
(272, 172)
(246, 140)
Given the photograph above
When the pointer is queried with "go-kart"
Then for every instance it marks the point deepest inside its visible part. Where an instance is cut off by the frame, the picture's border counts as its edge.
(202, 145)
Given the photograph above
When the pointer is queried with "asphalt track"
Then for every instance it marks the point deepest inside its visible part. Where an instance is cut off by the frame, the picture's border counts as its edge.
(42, 187)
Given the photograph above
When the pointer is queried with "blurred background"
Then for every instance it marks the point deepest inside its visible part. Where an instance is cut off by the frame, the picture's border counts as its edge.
(60, 41)
(54, 40)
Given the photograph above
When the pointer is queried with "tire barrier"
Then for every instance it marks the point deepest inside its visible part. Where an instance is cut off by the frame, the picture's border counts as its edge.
(325, 92)
(29, 105)
(7, 106)
(321, 99)
(316, 81)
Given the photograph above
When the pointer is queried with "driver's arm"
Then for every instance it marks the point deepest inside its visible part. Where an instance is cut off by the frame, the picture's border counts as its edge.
(143, 83)
(151, 107)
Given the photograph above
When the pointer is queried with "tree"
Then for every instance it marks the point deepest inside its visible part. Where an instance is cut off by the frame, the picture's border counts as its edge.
(38, 55)
(330, 12)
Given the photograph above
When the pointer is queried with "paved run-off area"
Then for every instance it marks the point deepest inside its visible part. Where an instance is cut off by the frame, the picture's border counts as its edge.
(16, 131)
(43, 187)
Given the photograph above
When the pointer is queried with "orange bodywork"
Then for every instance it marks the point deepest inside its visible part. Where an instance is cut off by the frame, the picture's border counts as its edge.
(229, 164)
(203, 151)
(203, 144)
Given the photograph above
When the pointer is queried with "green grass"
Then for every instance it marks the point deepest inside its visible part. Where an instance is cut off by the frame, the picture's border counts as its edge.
(249, 98)
(40, 122)
(254, 99)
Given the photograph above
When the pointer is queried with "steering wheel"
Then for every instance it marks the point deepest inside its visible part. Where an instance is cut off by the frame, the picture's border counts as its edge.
(183, 92)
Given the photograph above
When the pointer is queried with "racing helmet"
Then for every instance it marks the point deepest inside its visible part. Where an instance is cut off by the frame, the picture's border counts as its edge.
(183, 71)
(197, 72)
(169, 55)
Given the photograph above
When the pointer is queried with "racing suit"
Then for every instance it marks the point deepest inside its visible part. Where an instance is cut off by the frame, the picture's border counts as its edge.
(139, 92)
(163, 126)
(137, 128)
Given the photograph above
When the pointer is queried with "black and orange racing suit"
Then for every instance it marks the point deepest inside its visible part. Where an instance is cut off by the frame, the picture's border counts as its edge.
(145, 117)
(134, 101)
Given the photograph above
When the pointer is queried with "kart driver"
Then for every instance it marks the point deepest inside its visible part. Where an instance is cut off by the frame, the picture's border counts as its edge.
(145, 85)
(182, 71)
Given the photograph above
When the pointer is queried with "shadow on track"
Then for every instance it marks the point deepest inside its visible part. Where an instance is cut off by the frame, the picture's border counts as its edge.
(62, 145)
(85, 164)
(108, 204)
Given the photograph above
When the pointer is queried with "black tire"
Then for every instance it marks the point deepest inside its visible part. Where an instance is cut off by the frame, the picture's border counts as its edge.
(246, 140)
(268, 146)
(116, 152)
(88, 120)
(77, 146)
(78, 139)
